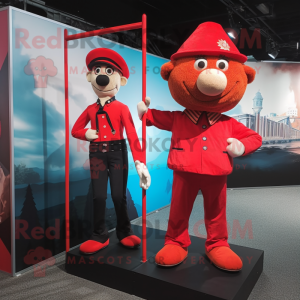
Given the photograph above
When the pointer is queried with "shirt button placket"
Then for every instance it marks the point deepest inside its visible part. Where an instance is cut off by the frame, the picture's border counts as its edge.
(104, 126)
(204, 138)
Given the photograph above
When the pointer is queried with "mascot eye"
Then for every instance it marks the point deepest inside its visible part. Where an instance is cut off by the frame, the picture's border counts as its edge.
(200, 64)
(97, 70)
(222, 64)
(109, 71)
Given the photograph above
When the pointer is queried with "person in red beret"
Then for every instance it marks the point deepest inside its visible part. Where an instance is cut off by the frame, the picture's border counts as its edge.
(108, 156)
(207, 76)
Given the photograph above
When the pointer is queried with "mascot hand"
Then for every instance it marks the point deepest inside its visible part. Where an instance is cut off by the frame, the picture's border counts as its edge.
(235, 147)
(145, 179)
(91, 134)
(142, 107)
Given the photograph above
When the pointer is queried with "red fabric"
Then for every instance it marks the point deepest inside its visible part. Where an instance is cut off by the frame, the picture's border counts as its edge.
(171, 255)
(4, 36)
(184, 192)
(189, 140)
(224, 258)
(205, 40)
(92, 246)
(131, 241)
(120, 117)
(5, 258)
(114, 59)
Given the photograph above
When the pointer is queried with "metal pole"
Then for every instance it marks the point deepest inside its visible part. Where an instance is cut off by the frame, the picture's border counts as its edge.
(104, 31)
(144, 53)
(144, 57)
(67, 214)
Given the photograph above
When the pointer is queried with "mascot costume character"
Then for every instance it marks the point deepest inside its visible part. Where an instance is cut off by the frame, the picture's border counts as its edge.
(207, 76)
(108, 156)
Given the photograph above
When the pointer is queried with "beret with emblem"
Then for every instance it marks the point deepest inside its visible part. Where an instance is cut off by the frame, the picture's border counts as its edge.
(209, 39)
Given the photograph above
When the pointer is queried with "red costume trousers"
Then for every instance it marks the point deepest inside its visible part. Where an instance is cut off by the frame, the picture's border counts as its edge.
(184, 192)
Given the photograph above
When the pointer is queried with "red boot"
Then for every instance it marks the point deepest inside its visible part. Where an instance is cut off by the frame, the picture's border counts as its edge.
(224, 258)
(91, 247)
(171, 255)
(131, 241)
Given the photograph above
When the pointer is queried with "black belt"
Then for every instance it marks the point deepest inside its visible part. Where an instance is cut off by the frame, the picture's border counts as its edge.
(109, 146)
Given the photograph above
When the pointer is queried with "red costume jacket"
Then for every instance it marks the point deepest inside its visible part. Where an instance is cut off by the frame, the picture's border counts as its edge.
(120, 117)
(201, 147)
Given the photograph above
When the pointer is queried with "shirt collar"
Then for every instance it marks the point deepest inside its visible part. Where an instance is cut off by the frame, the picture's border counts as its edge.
(106, 102)
(194, 116)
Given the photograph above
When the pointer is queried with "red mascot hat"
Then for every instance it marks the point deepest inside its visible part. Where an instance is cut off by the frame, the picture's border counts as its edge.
(209, 39)
(109, 57)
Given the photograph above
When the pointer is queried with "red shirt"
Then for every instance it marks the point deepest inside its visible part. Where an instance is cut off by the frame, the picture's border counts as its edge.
(201, 148)
(120, 117)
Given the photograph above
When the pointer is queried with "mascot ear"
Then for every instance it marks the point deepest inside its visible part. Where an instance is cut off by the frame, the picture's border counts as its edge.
(123, 80)
(166, 70)
(250, 72)
(88, 76)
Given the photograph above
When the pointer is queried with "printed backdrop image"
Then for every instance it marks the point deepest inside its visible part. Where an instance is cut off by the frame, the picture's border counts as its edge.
(39, 136)
(271, 107)
(5, 197)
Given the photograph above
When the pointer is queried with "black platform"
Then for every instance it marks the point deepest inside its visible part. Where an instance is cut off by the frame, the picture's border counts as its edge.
(196, 278)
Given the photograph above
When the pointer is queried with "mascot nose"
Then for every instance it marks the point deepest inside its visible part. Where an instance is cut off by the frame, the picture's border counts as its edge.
(102, 80)
(211, 82)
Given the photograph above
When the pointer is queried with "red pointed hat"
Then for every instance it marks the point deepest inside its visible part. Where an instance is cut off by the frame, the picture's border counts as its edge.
(209, 39)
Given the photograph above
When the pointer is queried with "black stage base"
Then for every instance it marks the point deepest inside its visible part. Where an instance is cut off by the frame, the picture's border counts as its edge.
(196, 278)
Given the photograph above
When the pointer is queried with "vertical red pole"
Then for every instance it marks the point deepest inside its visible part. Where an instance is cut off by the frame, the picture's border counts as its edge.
(144, 56)
(67, 215)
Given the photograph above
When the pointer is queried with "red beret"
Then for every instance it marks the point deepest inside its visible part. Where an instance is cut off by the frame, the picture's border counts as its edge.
(209, 39)
(109, 57)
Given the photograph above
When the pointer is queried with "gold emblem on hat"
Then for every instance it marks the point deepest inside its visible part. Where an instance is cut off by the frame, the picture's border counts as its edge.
(223, 45)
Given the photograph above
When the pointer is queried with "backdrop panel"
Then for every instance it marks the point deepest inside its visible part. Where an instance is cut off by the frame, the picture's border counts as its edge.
(271, 106)
(5, 196)
(38, 103)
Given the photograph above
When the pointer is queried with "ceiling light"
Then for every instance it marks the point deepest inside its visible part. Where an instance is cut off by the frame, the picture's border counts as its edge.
(231, 35)
(263, 8)
(273, 53)
(235, 27)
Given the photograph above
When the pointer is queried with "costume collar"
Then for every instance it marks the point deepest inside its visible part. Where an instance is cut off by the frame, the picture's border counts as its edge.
(106, 102)
(194, 116)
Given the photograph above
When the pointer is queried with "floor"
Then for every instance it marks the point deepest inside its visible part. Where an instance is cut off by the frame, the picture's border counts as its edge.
(272, 219)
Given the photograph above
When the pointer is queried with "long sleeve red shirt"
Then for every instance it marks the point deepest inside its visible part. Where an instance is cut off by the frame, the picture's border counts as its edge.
(120, 117)
(201, 148)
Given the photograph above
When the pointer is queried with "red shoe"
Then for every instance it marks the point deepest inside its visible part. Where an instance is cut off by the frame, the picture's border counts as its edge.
(224, 258)
(131, 241)
(171, 255)
(91, 247)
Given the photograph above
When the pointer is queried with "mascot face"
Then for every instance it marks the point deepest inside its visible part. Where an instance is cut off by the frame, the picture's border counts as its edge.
(207, 83)
(105, 80)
